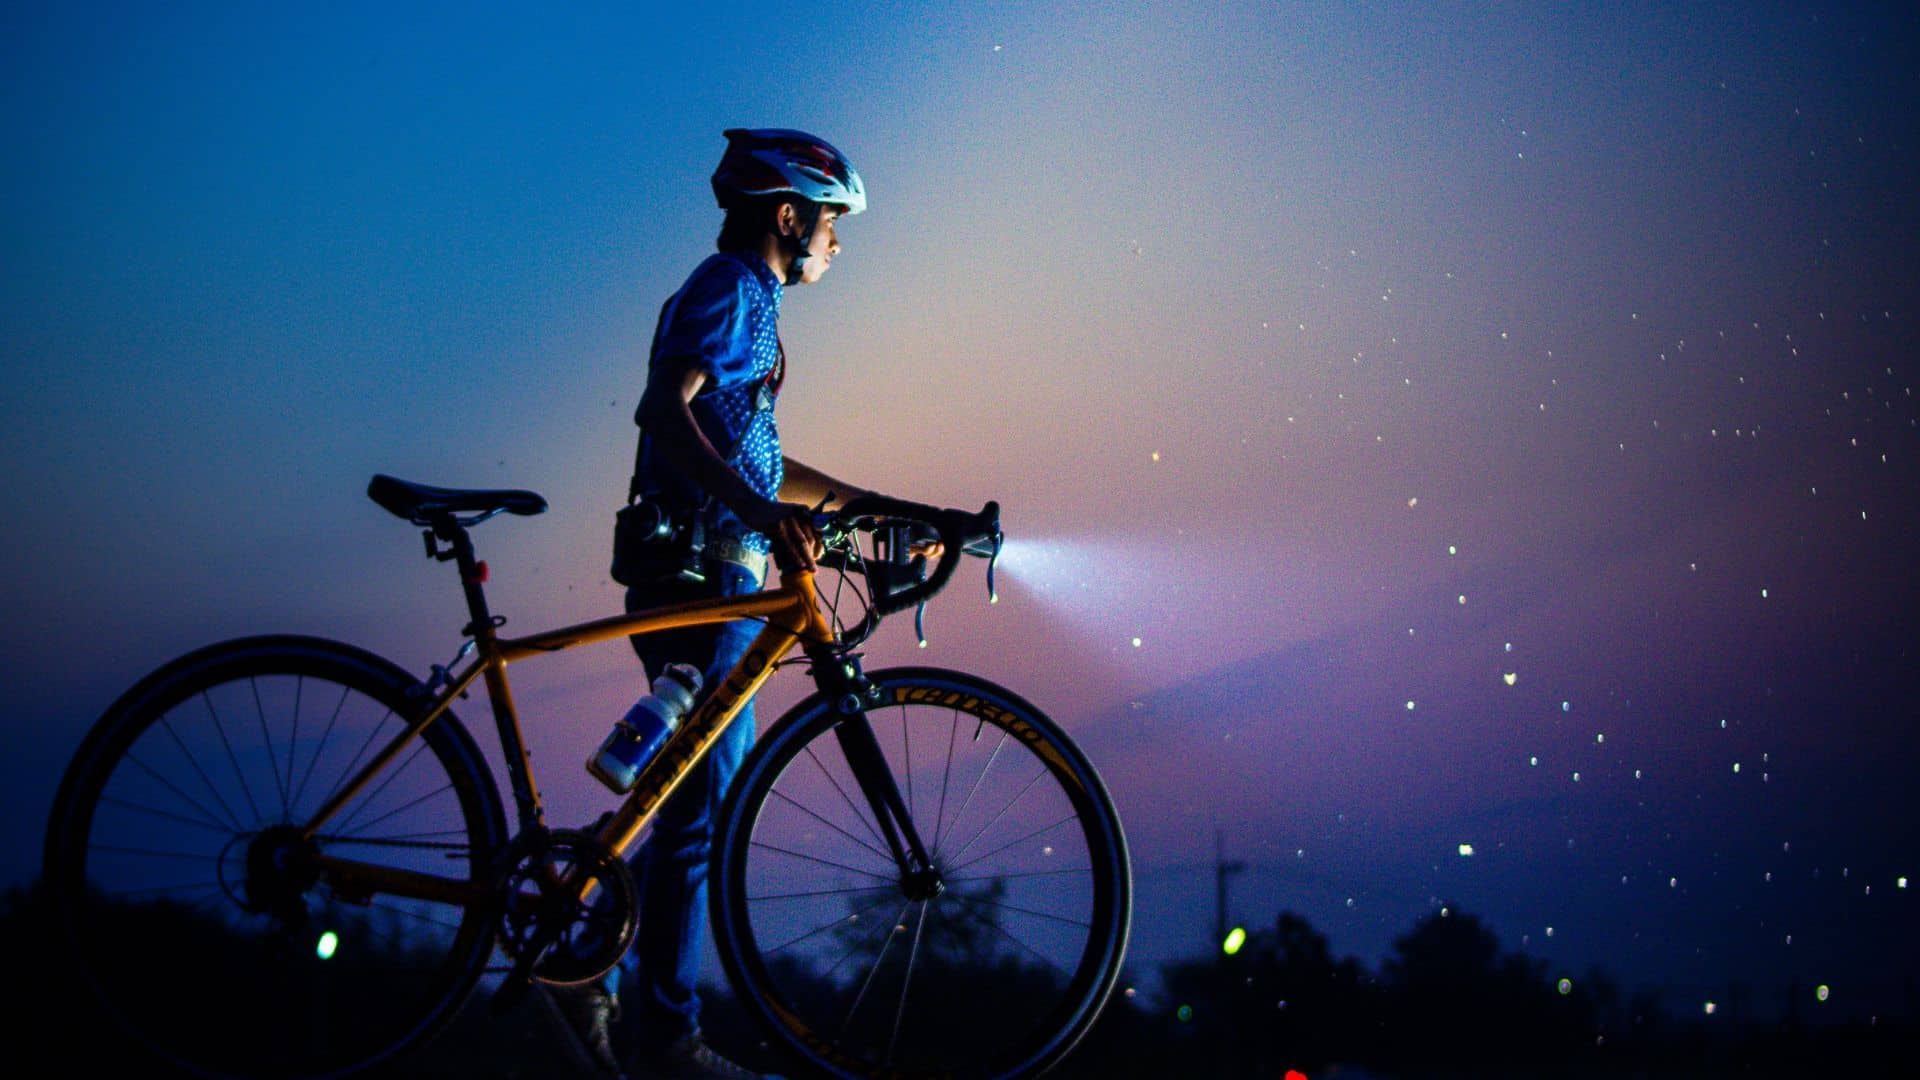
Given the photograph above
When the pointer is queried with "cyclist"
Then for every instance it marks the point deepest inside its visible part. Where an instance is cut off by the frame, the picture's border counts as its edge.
(710, 446)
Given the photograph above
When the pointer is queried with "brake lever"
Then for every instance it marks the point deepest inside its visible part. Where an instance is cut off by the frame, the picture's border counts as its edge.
(993, 594)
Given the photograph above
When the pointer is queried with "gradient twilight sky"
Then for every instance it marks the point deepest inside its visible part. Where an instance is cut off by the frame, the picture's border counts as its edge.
(1421, 425)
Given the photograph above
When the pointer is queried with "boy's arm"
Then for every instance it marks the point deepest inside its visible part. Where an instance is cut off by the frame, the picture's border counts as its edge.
(664, 410)
(808, 485)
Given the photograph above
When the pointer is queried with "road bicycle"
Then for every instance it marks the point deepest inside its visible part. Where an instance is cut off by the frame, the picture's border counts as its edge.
(286, 856)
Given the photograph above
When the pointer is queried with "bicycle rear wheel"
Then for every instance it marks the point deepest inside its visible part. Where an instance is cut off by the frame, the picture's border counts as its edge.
(196, 916)
(996, 970)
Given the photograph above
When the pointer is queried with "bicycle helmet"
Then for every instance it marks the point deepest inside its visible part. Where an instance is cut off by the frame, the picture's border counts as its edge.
(771, 161)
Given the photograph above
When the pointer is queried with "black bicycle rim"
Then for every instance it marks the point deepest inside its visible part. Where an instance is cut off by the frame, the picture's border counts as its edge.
(207, 956)
(864, 974)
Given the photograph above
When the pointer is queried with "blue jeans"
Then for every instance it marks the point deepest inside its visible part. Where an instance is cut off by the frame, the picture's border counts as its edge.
(656, 978)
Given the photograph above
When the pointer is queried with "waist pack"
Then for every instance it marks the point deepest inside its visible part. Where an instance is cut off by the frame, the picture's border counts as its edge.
(654, 542)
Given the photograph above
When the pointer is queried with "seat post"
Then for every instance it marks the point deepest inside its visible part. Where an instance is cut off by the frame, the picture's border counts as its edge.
(473, 576)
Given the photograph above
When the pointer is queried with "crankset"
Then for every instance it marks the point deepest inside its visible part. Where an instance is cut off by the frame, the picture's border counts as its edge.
(568, 910)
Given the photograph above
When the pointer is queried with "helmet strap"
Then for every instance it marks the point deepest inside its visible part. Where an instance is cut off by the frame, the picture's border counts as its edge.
(798, 246)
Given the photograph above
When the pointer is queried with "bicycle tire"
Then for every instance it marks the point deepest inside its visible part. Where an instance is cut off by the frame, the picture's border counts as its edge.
(999, 975)
(147, 861)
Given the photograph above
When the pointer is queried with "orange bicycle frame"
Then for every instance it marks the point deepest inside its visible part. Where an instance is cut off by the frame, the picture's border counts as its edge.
(792, 616)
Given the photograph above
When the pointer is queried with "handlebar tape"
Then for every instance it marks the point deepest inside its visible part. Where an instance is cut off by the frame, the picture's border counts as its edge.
(957, 529)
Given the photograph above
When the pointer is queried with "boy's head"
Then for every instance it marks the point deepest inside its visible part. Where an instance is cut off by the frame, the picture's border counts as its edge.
(775, 182)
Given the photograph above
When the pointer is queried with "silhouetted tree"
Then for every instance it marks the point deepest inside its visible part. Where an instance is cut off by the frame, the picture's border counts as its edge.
(1281, 1001)
(1453, 1002)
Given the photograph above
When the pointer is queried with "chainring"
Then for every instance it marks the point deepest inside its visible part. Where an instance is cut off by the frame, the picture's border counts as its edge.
(542, 905)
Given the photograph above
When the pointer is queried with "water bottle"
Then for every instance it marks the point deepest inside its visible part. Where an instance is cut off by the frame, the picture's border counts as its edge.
(640, 734)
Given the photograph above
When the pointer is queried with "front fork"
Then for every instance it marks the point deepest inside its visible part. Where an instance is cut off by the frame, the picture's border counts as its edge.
(853, 694)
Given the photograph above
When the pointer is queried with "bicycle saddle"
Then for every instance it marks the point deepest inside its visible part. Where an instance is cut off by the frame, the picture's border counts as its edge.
(420, 502)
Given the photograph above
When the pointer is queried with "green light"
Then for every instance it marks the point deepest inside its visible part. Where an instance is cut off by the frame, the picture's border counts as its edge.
(1235, 938)
(324, 948)
(1184, 1012)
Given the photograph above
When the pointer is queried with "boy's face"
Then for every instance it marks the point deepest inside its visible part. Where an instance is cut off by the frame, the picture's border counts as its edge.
(825, 245)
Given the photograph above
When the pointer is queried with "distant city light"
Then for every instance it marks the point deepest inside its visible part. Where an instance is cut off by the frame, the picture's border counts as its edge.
(1821, 992)
(1184, 1012)
(1710, 1008)
(1566, 987)
(1466, 850)
(1236, 937)
(328, 944)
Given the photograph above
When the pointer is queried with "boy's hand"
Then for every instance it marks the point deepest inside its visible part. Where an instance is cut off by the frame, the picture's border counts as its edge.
(789, 528)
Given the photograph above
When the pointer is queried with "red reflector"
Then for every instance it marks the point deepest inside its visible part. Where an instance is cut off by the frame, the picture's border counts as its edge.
(480, 572)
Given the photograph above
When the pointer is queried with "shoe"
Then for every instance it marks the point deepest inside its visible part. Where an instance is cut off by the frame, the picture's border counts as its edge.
(585, 1016)
(689, 1058)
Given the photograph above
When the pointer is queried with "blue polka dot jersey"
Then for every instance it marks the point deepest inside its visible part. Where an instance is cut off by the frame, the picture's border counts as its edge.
(727, 318)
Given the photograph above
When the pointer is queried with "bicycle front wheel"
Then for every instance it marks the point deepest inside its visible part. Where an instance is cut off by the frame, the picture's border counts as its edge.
(195, 913)
(995, 963)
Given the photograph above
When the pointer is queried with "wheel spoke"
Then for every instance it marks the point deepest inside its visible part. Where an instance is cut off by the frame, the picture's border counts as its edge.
(906, 743)
(982, 830)
(1016, 841)
(977, 781)
(906, 982)
(238, 774)
(373, 733)
(762, 845)
(933, 989)
(390, 775)
(809, 893)
(326, 735)
(233, 825)
(401, 809)
(789, 800)
(946, 774)
(1047, 915)
(1004, 876)
(261, 712)
(837, 920)
(154, 811)
(858, 813)
(966, 907)
(171, 848)
(866, 984)
(150, 853)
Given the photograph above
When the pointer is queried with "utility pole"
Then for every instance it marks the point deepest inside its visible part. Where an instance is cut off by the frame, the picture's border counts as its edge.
(1222, 869)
